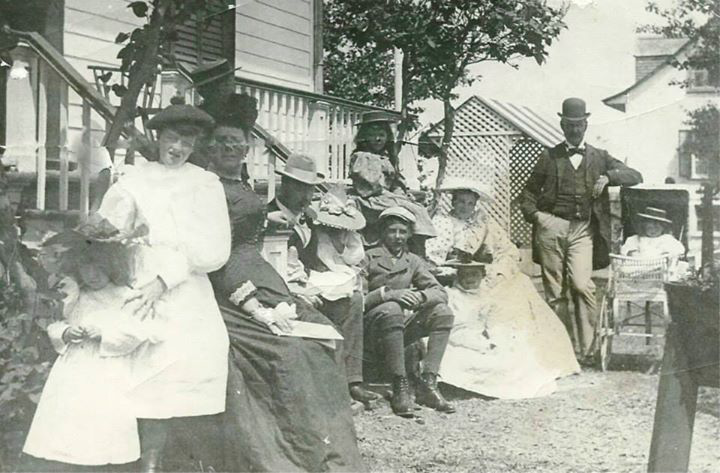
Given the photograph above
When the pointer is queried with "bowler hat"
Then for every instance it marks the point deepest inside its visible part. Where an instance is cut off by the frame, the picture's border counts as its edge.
(573, 109)
(337, 211)
(180, 114)
(301, 168)
(398, 212)
(653, 213)
(377, 116)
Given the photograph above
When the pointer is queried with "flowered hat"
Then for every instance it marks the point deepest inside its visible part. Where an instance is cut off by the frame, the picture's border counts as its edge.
(337, 211)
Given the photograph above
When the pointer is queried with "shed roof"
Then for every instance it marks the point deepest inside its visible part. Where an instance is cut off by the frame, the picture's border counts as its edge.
(472, 118)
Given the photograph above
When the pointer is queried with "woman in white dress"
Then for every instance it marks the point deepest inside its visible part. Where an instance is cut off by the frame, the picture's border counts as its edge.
(184, 209)
(506, 342)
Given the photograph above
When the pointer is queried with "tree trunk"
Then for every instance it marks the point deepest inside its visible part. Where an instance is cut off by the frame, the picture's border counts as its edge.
(404, 123)
(448, 128)
(443, 155)
(142, 72)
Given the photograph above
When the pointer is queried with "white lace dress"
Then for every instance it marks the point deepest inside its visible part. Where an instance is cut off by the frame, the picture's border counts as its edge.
(506, 341)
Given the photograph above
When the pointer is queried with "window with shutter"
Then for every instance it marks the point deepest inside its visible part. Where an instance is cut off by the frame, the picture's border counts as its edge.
(202, 39)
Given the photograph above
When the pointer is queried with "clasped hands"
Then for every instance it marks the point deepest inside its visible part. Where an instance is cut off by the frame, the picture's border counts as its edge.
(79, 333)
(408, 298)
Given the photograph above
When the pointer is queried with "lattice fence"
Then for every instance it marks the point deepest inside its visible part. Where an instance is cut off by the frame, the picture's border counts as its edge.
(523, 156)
(485, 160)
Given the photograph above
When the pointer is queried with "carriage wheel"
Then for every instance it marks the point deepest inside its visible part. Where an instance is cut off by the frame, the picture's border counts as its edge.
(605, 333)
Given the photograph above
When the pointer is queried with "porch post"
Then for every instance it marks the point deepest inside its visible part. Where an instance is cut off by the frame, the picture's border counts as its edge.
(318, 136)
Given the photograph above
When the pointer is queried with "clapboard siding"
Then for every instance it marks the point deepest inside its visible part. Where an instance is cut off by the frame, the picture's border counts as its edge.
(274, 42)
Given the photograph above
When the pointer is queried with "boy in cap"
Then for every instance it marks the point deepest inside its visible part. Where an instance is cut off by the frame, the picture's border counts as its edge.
(404, 303)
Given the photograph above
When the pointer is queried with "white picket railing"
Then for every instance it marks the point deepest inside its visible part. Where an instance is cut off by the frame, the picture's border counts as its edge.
(318, 125)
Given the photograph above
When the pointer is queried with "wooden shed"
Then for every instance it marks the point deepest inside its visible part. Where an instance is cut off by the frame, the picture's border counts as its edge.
(497, 144)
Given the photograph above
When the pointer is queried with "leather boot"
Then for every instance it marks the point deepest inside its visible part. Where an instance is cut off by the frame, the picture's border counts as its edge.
(428, 394)
(150, 461)
(401, 402)
(360, 394)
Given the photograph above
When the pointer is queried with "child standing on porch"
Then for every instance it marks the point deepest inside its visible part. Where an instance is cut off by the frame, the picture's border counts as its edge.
(84, 417)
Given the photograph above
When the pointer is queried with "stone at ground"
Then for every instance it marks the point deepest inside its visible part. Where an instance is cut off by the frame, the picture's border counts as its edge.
(595, 422)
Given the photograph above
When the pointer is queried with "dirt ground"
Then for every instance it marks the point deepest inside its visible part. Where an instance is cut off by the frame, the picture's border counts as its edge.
(594, 422)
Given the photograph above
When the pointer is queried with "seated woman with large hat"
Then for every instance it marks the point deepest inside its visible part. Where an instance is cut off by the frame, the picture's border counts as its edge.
(506, 341)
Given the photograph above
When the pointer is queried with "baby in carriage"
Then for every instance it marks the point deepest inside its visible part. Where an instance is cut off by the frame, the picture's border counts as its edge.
(654, 241)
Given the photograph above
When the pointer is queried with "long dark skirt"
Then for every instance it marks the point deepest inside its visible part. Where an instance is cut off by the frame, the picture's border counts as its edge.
(288, 407)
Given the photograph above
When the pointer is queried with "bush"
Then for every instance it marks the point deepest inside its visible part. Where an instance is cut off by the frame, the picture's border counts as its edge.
(26, 356)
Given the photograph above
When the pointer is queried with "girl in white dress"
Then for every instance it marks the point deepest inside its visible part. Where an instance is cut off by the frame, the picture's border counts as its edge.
(84, 416)
(185, 212)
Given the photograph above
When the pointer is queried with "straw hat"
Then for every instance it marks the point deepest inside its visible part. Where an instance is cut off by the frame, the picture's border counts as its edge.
(302, 168)
(484, 192)
(377, 116)
(337, 211)
(655, 214)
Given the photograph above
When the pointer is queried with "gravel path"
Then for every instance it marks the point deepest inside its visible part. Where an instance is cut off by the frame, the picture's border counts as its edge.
(595, 422)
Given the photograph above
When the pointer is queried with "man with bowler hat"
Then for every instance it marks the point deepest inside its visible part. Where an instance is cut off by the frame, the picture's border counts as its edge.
(567, 201)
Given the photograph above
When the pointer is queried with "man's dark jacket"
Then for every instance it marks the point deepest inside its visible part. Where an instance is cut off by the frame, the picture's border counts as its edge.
(541, 190)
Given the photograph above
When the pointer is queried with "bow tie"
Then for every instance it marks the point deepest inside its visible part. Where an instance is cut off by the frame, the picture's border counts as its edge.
(574, 151)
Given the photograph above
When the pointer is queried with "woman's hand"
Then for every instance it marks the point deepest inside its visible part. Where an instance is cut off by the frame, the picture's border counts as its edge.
(91, 332)
(277, 323)
(73, 334)
(143, 302)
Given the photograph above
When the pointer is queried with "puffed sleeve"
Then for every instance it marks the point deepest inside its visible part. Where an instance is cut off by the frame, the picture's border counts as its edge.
(118, 207)
(504, 252)
(55, 331)
(438, 247)
(203, 242)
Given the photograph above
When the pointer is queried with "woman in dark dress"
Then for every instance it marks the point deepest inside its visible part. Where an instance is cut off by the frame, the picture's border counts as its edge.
(288, 404)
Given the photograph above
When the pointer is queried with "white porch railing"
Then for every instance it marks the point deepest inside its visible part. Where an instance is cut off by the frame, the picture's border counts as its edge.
(318, 125)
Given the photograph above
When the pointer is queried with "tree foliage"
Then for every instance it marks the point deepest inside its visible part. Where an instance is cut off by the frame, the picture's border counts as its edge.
(146, 48)
(439, 39)
(697, 20)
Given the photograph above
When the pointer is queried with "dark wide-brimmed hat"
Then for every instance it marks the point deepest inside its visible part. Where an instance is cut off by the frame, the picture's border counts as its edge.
(573, 109)
(235, 110)
(398, 212)
(337, 211)
(655, 214)
(302, 168)
(377, 116)
(179, 113)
